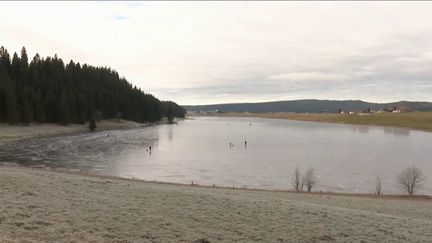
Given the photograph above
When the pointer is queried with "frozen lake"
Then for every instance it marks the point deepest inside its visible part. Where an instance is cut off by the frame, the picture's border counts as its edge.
(346, 158)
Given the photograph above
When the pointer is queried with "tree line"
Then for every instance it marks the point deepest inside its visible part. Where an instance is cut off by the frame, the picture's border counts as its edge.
(46, 90)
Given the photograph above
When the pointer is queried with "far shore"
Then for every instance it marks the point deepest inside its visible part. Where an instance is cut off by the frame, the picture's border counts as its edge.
(73, 207)
(409, 120)
(16, 132)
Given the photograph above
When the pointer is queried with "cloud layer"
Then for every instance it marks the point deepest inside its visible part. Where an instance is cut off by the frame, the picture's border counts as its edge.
(217, 52)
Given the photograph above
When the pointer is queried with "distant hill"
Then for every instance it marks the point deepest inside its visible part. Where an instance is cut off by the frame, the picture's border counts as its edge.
(309, 105)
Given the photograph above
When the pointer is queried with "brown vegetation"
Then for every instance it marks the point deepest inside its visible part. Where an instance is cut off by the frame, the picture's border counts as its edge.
(41, 206)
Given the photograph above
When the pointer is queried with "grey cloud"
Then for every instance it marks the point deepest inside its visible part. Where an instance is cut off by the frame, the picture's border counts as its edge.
(221, 52)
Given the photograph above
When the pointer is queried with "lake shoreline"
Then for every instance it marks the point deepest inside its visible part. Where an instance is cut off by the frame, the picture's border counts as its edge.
(65, 172)
(17, 132)
(418, 121)
(73, 207)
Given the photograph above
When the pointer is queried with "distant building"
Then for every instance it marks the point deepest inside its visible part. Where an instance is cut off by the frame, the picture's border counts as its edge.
(404, 108)
(398, 109)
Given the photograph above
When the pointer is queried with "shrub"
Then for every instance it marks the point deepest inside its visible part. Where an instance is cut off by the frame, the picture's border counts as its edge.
(410, 179)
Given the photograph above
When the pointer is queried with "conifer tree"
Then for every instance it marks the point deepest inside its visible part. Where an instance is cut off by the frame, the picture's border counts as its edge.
(24, 64)
(8, 103)
(5, 61)
(63, 109)
(92, 125)
(38, 114)
(16, 69)
(51, 106)
(26, 114)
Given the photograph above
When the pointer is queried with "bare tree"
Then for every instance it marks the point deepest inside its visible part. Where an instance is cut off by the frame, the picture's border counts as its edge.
(411, 179)
(302, 185)
(297, 181)
(378, 185)
(309, 179)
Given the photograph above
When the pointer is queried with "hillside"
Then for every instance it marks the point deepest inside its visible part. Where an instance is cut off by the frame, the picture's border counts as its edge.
(310, 105)
(46, 90)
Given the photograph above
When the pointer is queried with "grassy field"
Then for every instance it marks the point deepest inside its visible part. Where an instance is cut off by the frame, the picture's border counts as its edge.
(411, 120)
(38, 205)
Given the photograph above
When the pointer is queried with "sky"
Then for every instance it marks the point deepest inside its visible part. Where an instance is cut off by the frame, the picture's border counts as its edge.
(223, 52)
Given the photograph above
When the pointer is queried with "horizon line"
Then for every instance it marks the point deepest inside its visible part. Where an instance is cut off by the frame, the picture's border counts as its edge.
(274, 101)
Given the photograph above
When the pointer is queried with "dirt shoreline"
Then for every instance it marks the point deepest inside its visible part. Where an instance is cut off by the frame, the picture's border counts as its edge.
(17, 132)
(64, 171)
(38, 205)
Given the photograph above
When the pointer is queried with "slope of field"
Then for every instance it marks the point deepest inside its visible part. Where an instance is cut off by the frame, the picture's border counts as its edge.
(38, 205)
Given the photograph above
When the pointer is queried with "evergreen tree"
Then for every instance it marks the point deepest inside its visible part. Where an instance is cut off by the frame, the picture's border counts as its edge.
(33, 71)
(38, 114)
(16, 69)
(50, 107)
(92, 125)
(5, 61)
(24, 64)
(63, 110)
(8, 103)
(26, 114)
(81, 108)
(170, 115)
(72, 107)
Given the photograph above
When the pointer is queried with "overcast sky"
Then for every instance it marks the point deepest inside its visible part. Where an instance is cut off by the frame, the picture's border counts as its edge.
(220, 52)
